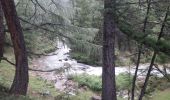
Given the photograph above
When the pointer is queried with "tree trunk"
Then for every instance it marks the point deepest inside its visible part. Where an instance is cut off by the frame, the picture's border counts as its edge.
(153, 58)
(147, 77)
(140, 51)
(136, 73)
(20, 82)
(2, 33)
(109, 31)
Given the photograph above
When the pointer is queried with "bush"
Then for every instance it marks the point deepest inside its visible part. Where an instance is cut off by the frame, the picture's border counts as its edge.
(123, 81)
(159, 83)
(92, 82)
(83, 58)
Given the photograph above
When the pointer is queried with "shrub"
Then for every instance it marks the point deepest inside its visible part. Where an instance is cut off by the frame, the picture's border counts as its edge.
(123, 81)
(91, 81)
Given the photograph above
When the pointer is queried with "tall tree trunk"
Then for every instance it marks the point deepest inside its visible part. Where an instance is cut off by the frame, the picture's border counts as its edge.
(109, 31)
(2, 33)
(153, 58)
(140, 51)
(136, 73)
(20, 83)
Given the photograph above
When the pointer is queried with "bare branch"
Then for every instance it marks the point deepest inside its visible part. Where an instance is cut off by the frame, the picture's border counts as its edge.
(40, 6)
(5, 59)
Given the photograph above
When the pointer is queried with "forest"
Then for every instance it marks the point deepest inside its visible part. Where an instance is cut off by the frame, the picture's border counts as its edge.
(84, 49)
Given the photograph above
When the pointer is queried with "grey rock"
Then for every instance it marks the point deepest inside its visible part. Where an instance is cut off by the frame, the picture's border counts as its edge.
(96, 98)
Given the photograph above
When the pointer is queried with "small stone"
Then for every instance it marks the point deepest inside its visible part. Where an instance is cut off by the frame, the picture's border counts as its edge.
(96, 98)
(66, 59)
(45, 93)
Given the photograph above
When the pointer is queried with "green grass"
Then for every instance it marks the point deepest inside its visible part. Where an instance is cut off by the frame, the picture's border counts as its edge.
(40, 86)
(123, 81)
(36, 85)
(83, 95)
(92, 82)
(157, 89)
(162, 95)
(6, 74)
(5, 96)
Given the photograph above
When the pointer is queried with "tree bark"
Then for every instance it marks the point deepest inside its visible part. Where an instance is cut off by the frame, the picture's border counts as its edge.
(153, 58)
(140, 51)
(136, 72)
(109, 31)
(2, 33)
(20, 82)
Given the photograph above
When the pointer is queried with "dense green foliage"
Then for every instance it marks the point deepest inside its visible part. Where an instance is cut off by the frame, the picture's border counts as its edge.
(123, 81)
(93, 82)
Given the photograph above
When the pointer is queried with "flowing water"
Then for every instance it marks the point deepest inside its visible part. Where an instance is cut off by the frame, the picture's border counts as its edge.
(61, 59)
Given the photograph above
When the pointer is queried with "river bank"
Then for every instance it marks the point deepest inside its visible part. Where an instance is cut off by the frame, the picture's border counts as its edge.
(63, 66)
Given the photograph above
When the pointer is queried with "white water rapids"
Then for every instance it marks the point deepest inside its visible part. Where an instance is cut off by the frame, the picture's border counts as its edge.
(60, 58)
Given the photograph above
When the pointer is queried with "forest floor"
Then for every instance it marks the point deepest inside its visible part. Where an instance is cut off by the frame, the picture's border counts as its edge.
(36, 87)
(42, 89)
(39, 88)
(162, 95)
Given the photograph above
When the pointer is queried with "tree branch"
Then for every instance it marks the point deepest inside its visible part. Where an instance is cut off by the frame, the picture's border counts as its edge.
(30, 69)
